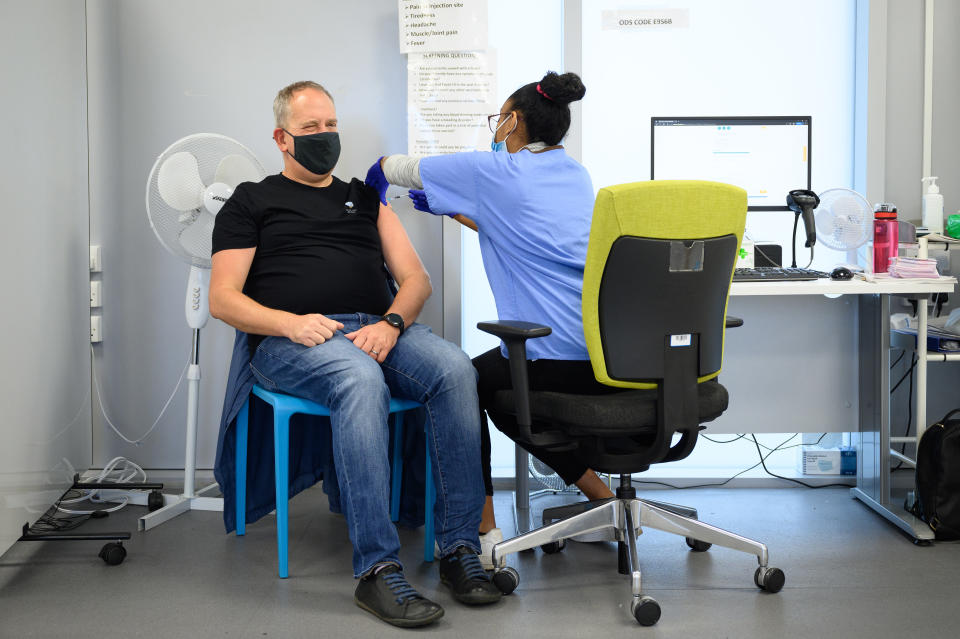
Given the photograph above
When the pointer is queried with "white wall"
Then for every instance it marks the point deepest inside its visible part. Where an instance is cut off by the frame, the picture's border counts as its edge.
(45, 376)
(946, 101)
(163, 70)
(904, 130)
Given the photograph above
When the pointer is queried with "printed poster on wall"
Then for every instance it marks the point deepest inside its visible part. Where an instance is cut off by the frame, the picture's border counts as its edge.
(450, 95)
(430, 25)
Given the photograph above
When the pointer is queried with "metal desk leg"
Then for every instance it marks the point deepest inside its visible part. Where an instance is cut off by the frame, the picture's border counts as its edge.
(873, 450)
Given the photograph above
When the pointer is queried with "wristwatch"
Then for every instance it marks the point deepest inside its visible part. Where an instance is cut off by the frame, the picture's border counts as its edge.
(394, 320)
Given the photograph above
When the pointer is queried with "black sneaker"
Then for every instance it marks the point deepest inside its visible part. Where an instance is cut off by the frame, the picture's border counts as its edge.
(469, 583)
(388, 595)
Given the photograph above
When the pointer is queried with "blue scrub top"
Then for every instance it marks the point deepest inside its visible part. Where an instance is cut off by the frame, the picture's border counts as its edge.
(533, 213)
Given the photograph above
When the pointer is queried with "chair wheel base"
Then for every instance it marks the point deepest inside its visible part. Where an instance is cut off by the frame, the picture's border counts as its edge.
(154, 500)
(113, 553)
(554, 547)
(769, 579)
(506, 580)
(645, 610)
(698, 546)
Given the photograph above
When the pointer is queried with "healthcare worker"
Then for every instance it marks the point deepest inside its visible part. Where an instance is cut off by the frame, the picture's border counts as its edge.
(532, 205)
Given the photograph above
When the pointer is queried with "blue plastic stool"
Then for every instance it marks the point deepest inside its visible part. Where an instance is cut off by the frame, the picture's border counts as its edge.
(284, 407)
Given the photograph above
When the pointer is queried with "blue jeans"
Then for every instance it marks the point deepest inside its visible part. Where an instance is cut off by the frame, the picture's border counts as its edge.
(421, 367)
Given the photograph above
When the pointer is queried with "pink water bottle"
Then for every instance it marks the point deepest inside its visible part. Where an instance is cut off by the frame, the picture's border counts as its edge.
(886, 238)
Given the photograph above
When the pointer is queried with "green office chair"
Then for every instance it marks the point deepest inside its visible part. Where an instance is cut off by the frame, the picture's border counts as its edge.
(655, 288)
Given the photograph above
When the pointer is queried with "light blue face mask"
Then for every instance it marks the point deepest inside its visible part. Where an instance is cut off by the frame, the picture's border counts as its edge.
(501, 146)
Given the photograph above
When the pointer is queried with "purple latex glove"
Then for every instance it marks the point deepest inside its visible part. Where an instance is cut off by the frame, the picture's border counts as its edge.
(377, 180)
(419, 198)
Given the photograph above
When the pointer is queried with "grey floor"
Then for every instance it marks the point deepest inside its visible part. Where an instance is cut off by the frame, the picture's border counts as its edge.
(849, 574)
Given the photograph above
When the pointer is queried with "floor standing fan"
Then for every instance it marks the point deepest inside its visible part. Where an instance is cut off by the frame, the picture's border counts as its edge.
(188, 184)
(548, 479)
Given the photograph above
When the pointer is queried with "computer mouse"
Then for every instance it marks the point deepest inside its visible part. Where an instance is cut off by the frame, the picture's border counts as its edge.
(841, 273)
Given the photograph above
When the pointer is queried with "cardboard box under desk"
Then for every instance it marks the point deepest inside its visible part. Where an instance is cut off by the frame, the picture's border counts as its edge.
(827, 461)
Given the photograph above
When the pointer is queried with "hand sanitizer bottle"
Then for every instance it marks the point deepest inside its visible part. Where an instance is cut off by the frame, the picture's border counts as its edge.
(932, 206)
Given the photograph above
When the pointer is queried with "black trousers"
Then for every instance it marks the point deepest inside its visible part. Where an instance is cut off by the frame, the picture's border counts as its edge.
(562, 376)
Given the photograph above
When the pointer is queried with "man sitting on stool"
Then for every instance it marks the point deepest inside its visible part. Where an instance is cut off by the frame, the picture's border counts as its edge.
(298, 264)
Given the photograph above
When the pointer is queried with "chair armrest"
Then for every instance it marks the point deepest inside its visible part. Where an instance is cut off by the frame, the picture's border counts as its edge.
(515, 335)
(511, 330)
(733, 322)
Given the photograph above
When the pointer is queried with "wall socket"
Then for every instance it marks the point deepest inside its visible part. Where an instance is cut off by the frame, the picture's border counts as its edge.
(95, 299)
(96, 259)
(96, 329)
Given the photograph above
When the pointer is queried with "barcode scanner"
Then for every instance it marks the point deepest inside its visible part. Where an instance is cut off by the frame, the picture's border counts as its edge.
(802, 202)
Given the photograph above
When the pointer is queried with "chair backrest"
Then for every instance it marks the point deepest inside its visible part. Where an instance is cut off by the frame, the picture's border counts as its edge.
(659, 266)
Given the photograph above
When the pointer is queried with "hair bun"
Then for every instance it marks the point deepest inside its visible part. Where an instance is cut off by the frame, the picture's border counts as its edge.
(563, 89)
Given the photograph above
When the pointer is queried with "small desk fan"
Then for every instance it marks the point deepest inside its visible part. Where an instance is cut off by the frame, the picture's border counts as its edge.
(844, 221)
(187, 186)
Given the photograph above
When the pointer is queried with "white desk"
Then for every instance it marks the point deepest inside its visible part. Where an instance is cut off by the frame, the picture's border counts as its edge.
(851, 287)
(873, 337)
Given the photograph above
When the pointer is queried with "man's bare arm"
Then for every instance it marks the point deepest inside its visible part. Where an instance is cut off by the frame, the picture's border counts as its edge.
(412, 279)
(228, 303)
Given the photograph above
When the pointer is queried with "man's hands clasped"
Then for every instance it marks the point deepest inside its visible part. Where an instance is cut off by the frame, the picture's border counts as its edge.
(376, 340)
(312, 329)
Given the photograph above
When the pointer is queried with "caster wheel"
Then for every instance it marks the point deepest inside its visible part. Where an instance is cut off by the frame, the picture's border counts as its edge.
(113, 553)
(769, 579)
(554, 547)
(923, 543)
(506, 580)
(645, 610)
(154, 500)
(698, 546)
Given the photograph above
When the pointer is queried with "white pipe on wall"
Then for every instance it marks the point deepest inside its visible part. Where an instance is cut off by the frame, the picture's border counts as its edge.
(928, 88)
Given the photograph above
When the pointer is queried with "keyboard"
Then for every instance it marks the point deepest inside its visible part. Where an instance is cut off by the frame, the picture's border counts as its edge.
(776, 274)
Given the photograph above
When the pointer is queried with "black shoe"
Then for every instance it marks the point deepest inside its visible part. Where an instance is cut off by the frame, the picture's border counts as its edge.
(469, 583)
(388, 595)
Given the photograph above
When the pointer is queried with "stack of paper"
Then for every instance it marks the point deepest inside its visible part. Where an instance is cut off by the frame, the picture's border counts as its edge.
(943, 332)
(913, 267)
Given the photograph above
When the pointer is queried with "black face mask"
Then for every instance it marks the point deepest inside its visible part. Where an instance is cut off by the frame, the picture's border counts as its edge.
(317, 152)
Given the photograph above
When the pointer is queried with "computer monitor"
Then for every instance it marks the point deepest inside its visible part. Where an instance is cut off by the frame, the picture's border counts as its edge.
(766, 156)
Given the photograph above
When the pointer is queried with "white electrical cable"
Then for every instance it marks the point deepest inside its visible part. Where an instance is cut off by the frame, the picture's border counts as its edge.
(69, 511)
(756, 249)
(112, 472)
(73, 421)
(103, 410)
(811, 257)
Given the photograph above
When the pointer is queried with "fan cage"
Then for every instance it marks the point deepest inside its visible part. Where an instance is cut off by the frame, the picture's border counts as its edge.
(844, 219)
(209, 149)
(545, 476)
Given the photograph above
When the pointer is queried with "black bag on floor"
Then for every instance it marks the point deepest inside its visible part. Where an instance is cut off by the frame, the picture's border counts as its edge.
(938, 477)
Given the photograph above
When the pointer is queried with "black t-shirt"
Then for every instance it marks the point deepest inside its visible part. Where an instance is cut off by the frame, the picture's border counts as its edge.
(318, 249)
